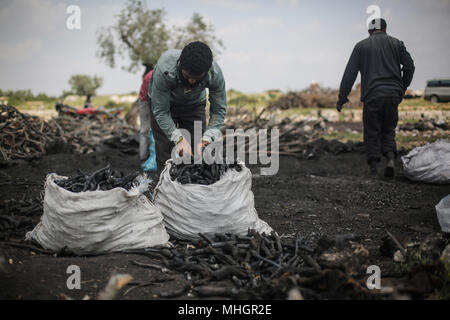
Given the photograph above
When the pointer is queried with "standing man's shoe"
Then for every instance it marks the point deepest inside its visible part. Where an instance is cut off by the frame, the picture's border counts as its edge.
(390, 165)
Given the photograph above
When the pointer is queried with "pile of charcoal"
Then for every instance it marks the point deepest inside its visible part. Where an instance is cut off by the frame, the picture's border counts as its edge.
(18, 216)
(205, 174)
(255, 266)
(322, 146)
(103, 180)
(425, 125)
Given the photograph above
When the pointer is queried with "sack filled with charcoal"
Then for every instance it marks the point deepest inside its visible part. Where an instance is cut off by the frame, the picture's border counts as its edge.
(207, 199)
(429, 163)
(98, 213)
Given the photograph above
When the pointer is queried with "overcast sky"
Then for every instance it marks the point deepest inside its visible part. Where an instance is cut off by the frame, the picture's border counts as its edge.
(270, 44)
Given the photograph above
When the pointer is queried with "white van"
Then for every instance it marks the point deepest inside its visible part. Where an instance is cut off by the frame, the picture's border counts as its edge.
(437, 90)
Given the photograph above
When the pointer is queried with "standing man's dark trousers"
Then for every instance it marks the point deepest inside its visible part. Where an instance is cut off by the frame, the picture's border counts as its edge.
(380, 117)
(184, 117)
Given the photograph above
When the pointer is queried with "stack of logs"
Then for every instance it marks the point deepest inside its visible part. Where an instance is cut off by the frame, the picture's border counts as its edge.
(23, 136)
(294, 132)
(18, 216)
(85, 133)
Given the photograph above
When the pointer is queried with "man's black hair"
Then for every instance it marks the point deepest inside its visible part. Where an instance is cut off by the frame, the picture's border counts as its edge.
(377, 24)
(196, 58)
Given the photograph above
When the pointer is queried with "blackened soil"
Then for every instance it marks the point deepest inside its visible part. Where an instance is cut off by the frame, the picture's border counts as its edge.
(329, 195)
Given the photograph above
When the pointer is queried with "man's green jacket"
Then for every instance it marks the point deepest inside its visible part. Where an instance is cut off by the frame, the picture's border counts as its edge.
(166, 88)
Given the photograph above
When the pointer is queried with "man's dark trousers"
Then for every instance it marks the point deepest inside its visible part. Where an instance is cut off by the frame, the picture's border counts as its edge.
(380, 117)
(184, 117)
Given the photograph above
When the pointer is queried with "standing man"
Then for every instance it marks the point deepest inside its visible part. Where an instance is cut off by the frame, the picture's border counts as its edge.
(178, 98)
(384, 81)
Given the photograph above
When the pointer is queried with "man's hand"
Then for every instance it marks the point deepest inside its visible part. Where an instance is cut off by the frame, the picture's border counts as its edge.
(339, 106)
(183, 148)
(200, 146)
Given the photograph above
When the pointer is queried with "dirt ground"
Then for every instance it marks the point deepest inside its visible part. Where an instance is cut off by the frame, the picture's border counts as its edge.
(324, 196)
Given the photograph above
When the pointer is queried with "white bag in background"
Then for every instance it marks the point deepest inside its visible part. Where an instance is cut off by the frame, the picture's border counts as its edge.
(226, 206)
(95, 222)
(443, 213)
(429, 163)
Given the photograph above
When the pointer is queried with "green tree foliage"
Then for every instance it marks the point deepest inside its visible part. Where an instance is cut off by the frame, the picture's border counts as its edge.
(84, 85)
(142, 35)
(138, 32)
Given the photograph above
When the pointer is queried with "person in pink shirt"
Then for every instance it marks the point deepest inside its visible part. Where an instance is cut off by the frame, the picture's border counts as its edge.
(144, 115)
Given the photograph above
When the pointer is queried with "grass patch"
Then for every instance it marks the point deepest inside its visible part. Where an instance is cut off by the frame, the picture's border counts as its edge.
(404, 121)
(407, 142)
(239, 99)
(410, 142)
(302, 111)
(422, 104)
(344, 136)
(35, 105)
(77, 102)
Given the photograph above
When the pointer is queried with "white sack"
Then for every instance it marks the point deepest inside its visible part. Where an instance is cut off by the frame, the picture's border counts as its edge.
(429, 163)
(226, 206)
(443, 213)
(96, 222)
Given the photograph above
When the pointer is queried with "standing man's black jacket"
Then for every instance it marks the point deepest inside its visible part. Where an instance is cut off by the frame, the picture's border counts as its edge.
(378, 57)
